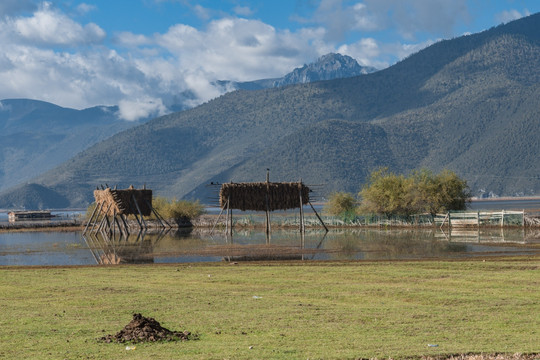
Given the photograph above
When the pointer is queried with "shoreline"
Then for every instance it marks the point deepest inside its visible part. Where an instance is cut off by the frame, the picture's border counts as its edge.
(473, 199)
(253, 221)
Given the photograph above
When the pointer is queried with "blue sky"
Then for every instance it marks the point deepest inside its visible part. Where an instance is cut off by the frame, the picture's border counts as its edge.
(143, 54)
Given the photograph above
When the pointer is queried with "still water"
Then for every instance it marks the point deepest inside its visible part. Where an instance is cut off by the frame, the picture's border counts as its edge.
(72, 248)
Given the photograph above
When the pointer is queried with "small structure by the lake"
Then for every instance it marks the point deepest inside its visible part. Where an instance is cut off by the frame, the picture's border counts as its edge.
(481, 218)
(29, 215)
(113, 206)
(265, 196)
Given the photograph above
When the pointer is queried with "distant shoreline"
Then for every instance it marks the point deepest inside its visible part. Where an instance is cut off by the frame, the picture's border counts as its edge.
(507, 198)
(473, 199)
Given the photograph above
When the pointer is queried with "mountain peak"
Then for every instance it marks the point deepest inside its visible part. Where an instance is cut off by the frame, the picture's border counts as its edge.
(327, 67)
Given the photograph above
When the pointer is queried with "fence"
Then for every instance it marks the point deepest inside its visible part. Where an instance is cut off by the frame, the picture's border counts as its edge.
(481, 218)
(501, 218)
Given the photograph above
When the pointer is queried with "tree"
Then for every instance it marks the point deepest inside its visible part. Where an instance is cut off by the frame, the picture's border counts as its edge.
(390, 194)
(384, 193)
(340, 203)
(453, 192)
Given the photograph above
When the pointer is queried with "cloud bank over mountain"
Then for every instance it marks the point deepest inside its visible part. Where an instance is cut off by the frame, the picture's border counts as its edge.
(63, 53)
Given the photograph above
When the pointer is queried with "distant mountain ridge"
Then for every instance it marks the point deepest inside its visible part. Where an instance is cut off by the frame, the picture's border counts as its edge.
(35, 135)
(470, 104)
(327, 67)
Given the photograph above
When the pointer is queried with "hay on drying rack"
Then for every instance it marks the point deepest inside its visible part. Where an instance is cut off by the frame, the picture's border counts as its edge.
(262, 196)
(122, 201)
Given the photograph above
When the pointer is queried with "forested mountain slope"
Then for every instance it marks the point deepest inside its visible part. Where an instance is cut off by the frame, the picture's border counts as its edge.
(36, 136)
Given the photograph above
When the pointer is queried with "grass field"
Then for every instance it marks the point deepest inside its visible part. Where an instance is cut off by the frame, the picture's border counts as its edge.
(276, 310)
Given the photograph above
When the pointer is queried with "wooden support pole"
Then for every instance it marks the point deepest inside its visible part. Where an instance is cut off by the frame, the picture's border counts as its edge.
(302, 243)
(139, 210)
(231, 220)
(229, 214)
(158, 216)
(107, 219)
(162, 219)
(120, 229)
(122, 216)
(90, 220)
(267, 213)
(219, 216)
(302, 228)
(104, 218)
(97, 217)
(92, 247)
(113, 223)
(267, 199)
(318, 217)
(132, 210)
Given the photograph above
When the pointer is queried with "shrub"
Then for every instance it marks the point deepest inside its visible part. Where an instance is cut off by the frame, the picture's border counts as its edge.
(422, 192)
(177, 209)
(340, 204)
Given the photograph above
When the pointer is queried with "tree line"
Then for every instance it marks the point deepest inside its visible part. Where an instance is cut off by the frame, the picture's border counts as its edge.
(390, 194)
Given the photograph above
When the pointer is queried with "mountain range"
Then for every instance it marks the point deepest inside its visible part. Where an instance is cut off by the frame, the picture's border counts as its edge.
(469, 104)
(35, 136)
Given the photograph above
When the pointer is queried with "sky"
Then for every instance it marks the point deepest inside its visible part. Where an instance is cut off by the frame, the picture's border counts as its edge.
(145, 55)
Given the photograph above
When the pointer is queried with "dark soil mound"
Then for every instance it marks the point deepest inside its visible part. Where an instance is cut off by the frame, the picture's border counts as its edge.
(142, 329)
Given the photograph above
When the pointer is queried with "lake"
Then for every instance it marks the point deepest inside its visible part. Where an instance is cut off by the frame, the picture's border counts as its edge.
(194, 245)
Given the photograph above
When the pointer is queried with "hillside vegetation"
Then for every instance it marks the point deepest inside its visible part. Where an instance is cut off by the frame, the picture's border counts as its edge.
(36, 136)
(469, 104)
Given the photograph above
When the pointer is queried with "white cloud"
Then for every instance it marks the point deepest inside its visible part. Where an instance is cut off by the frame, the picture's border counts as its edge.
(141, 108)
(510, 15)
(202, 12)
(50, 27)
(362, 19)
(439, 17)
(147, 74)
(84, 8)
(366, 52)
(129, 39)
(408, 18)
(243, 11)
(237, 49)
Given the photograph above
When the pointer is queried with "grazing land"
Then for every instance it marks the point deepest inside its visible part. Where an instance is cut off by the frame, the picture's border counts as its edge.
(289, 310)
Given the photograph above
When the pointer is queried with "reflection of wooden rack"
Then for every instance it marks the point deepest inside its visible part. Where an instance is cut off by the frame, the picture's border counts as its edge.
(119, 249)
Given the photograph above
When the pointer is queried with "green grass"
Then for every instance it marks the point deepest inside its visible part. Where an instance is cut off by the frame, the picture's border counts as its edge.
(304, 310)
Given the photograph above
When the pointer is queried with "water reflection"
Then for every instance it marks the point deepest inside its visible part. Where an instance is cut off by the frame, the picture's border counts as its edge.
(110, 249)
(359, 244)
(196, 245)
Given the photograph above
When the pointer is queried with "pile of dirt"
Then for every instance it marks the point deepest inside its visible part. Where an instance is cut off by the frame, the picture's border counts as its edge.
(143, 329)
